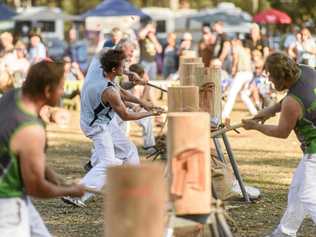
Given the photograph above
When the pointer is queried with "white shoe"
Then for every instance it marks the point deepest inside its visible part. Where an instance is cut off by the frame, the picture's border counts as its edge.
(253, 193)
(278, 233)
(73, 201)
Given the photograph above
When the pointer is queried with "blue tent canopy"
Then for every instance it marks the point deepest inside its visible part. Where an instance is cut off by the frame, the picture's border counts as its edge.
(114, 8)
(6, 13)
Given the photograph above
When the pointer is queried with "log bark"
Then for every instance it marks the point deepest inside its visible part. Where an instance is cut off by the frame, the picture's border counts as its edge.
(189, 161)
(183, 99)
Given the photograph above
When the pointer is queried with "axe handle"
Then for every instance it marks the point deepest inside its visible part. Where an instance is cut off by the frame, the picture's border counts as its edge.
(223, 130)
(157, 87)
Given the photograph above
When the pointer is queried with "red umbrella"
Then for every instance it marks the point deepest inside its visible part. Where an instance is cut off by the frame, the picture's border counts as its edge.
(272, 16)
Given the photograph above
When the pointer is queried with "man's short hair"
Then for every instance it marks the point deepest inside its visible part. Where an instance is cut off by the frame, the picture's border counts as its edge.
(282, 67)
(112, 58)
(42, 74)
(137, 68)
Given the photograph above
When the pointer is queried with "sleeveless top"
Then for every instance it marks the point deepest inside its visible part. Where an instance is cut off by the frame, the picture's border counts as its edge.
(304, 91)
(93, 110)
(12, 118)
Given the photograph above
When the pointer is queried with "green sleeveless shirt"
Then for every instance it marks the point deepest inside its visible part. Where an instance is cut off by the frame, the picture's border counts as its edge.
(12, 118)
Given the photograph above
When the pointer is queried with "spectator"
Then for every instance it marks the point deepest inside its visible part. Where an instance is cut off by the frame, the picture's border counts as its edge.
(185, 44)
(116, 36)
(73, 78)
(149, 48)
(170, 57)
(37, 51)
(290, 37)
(242, 74)
(6, 43)
(254, 41)
(77, 50)
(308, 54)
(21, 65)
(221, 44)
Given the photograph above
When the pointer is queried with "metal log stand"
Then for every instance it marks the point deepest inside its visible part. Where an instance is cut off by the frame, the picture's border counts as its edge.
(213, 75)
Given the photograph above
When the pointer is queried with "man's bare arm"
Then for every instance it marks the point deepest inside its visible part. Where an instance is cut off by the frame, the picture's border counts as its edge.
(32, 162)
(113, 97)
(127, 96)
(291, 111)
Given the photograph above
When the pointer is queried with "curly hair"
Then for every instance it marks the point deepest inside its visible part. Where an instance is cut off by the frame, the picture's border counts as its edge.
(112, 58)
(281, 67)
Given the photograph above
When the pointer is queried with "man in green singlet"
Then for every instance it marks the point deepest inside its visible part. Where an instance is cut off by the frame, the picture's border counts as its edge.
(298, 113)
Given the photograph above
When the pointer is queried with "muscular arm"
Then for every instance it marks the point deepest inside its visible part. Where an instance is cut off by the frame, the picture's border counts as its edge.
(127, 96)
(113, 97)
(290, 113)
(32, 162)
(268, 112)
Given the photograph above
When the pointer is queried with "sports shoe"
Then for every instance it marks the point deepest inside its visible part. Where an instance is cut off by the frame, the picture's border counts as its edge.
(87, 167)
(278, 233)
(73, 201)
(150, 150)
(253, 192)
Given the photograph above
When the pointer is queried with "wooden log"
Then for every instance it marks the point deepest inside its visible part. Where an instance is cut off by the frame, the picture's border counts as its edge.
(135, 201)
(188, 73)
(190, 60)
(189, 53)
(183, 99)
(188, 156)
(214, 74)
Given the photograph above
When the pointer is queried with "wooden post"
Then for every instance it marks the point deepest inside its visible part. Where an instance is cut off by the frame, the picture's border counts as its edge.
(189, 53)
(188, 73)
(215, 76)
(135, 201)
(189, 162)
(190, 60)
(183, 99)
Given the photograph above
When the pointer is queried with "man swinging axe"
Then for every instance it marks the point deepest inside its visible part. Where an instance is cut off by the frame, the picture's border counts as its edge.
(298, 113)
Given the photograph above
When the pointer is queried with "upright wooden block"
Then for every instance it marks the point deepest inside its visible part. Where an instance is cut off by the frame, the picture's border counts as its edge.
(183, 99)
(188, 141)
(135, 201)
(215, 75)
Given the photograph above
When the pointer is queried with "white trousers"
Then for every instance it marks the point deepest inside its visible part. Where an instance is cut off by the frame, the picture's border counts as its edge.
(19, 218)
(111, 148)
(301, 197)
(238, 82)
(147, 129)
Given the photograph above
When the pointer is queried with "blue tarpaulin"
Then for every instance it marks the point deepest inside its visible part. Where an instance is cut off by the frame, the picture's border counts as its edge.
(6, 13)
(114, 8)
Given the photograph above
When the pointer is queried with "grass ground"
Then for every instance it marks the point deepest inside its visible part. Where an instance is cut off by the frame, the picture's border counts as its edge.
(264, 162)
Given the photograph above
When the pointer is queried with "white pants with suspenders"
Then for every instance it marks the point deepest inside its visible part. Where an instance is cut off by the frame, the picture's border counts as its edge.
(111, 148)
